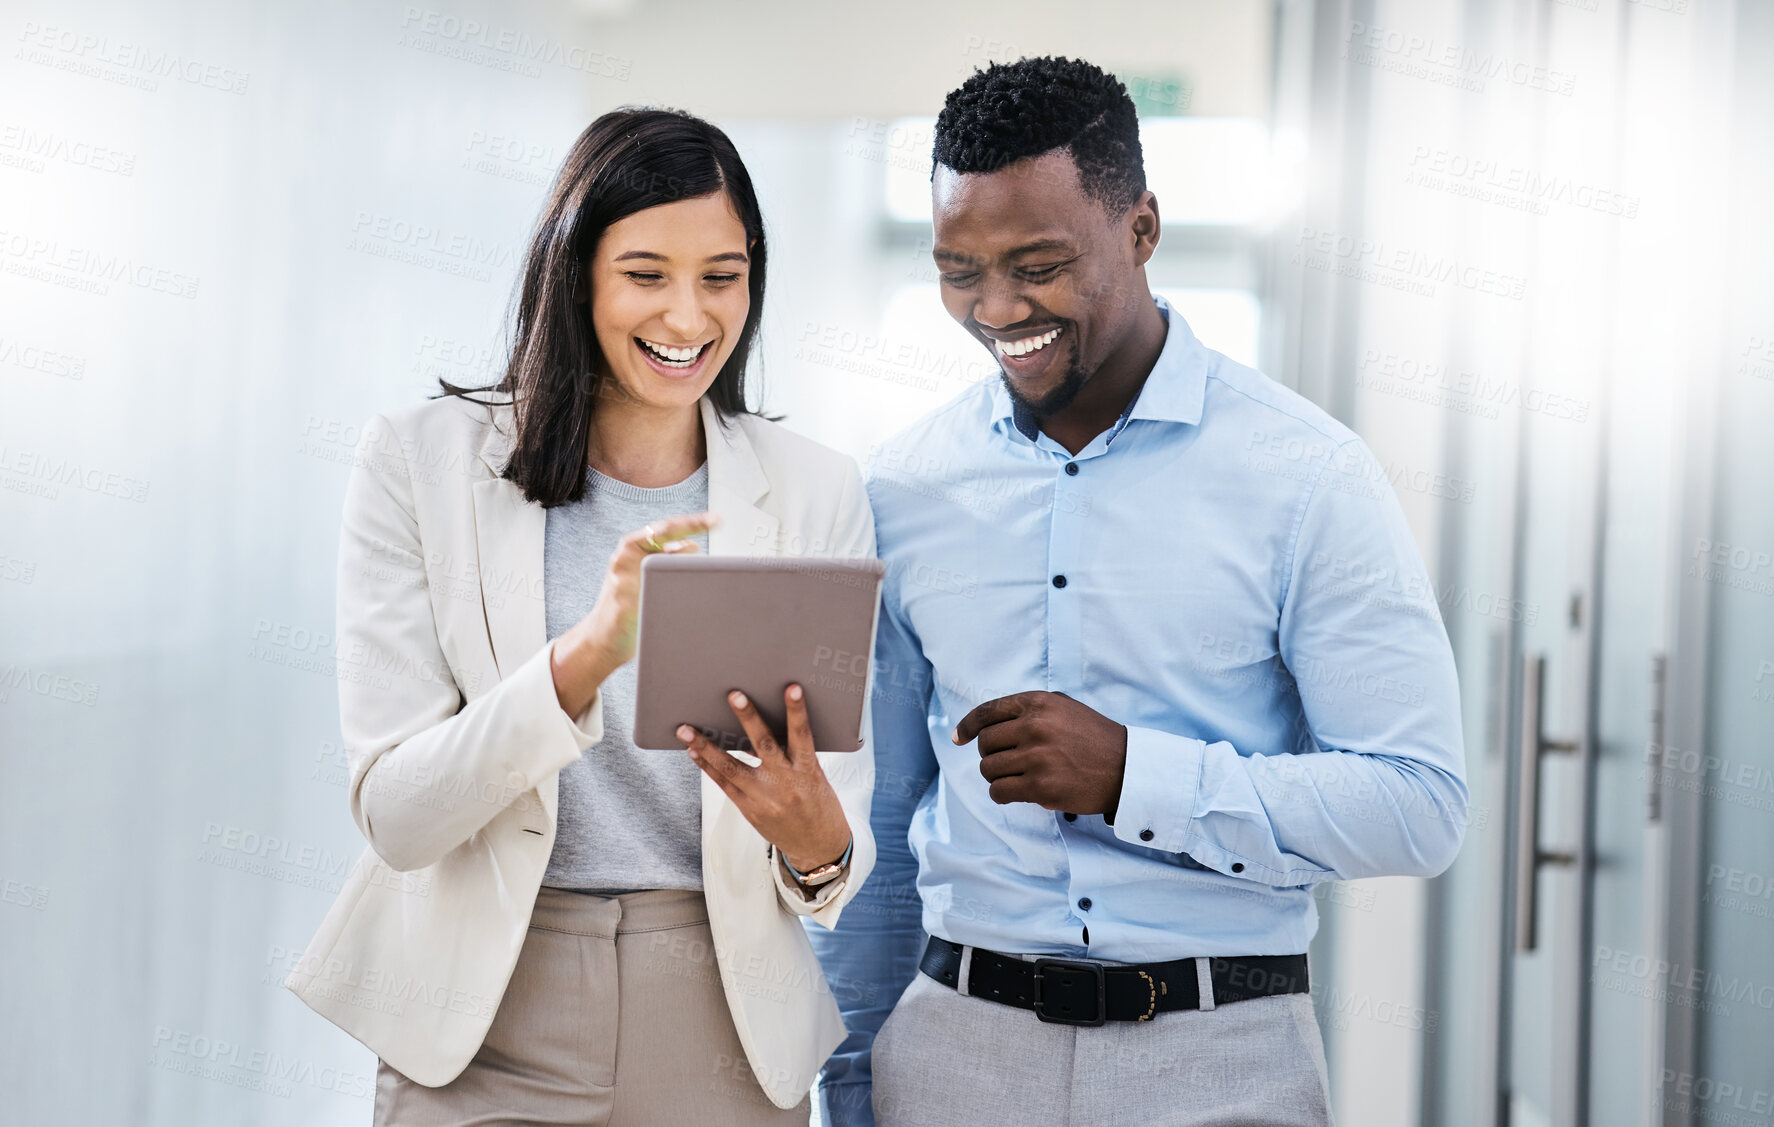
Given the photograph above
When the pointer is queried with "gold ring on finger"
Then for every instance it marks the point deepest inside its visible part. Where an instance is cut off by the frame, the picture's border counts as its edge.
(651, 543)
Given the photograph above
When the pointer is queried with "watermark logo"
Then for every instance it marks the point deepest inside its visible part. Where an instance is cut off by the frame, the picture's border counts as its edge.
(502, 47)
(32, 150)
(121, 62)
(1403, 268)
(428, 246)
(87, 269)
(1429, 59)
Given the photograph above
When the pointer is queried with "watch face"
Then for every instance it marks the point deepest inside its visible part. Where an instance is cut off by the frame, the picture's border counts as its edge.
(822, 874)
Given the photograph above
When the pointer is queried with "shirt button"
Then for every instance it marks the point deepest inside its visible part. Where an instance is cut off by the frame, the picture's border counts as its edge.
(1071, 817)
(1084, 903)
(1072, 468)
(1238, 866)
(1059, 581)
(1146, 835)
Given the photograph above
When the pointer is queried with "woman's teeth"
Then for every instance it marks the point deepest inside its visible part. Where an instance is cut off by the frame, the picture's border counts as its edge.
(1027, 344)
(672, 357)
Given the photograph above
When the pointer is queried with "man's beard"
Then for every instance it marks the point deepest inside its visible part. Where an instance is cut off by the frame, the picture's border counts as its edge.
(1056, 400)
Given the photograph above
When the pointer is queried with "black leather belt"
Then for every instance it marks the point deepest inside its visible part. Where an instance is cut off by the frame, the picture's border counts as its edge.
(1079, 992)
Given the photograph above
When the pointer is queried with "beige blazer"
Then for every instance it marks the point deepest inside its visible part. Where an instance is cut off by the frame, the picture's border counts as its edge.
(455, 740)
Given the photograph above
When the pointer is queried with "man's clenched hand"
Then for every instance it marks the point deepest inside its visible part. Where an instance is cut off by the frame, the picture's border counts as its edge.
(1048, 749)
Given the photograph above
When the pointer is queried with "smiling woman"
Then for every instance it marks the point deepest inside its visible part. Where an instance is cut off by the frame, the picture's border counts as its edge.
(603, 911)
(671, 280)
(653, 212)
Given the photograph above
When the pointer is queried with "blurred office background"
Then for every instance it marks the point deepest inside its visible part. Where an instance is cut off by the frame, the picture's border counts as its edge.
(1523, 247)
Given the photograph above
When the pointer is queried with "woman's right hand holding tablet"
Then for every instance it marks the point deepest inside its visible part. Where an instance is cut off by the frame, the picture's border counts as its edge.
(606, 637)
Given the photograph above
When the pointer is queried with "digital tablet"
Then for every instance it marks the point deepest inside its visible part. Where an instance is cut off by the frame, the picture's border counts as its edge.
(711, 624)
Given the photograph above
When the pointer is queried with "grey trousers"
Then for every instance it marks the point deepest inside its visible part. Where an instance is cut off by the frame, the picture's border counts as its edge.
(614, 1016)
(945, 1060)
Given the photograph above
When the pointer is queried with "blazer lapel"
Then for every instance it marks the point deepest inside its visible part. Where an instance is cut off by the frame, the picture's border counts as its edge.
(508, 535)
(735, 482)
(509, 531)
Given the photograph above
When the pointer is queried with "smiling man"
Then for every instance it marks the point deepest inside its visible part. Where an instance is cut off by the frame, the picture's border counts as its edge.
(1156, 656)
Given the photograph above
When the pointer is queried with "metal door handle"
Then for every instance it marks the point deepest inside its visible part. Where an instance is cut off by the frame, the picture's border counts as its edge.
(1653, 778)
(1531, 745)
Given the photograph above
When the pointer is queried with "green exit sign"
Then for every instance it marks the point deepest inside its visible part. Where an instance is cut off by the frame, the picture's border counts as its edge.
(1158, 94)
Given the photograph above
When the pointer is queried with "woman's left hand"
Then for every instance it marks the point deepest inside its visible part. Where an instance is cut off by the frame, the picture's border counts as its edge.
(786, 797)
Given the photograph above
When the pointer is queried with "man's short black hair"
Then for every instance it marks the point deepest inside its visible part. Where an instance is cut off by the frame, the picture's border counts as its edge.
(1010, 111)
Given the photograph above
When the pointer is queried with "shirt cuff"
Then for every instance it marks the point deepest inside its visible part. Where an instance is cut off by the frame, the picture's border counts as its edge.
(588, 726)
(1159, 786)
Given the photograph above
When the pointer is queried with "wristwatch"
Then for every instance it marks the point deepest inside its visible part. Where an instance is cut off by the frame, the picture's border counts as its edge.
(824, 874)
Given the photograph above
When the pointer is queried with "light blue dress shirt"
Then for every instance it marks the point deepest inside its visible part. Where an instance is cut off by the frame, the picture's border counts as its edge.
(1239, 589)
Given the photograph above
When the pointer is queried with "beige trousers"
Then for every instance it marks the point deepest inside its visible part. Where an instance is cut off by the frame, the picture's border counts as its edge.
(614, 1016)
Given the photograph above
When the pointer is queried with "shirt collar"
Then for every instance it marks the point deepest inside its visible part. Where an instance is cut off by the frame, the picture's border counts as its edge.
(1173, 392)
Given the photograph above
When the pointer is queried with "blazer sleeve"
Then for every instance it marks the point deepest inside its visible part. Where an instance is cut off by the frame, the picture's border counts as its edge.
(852, 773)
(429, 768)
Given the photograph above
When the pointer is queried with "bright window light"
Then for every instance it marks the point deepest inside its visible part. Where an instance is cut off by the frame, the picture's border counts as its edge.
(1228, 321)
(915, 317)
(916, 310)
(1205, 171)
(906, 152)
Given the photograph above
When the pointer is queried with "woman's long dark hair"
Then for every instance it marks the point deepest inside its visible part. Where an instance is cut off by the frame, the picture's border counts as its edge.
(626, 161)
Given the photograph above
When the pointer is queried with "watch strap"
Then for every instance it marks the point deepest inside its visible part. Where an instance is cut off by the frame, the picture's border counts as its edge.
(801, 878)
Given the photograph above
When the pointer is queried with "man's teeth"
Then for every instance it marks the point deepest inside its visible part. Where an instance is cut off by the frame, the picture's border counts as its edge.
(673, 357)
(1027, 344)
